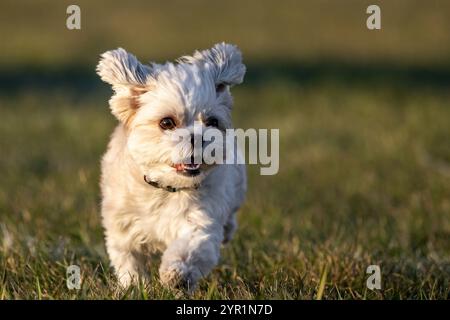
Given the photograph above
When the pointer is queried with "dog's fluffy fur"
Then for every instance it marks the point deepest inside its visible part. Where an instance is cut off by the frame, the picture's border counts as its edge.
(189, 225)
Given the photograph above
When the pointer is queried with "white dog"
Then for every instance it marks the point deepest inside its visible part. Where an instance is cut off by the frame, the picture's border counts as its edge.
(150, 202)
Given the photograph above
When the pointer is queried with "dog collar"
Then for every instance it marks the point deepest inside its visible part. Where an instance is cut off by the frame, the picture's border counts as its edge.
(168, 188)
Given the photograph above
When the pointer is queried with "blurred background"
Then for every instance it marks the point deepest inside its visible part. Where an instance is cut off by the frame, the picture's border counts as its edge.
(364, 121)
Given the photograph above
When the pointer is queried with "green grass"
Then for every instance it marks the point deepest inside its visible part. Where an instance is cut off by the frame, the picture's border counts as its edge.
(364, 179)
(364, 123)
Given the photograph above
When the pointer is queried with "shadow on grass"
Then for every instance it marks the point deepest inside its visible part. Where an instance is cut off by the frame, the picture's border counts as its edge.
(83, 80)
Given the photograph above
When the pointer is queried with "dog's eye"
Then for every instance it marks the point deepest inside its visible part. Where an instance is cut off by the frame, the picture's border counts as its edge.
(212, 122)
(167, 124)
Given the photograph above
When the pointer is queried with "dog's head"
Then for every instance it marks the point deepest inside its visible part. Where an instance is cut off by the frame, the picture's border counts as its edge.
(163, 106)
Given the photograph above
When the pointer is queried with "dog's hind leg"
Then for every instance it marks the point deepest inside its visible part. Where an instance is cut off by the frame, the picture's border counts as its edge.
(229, 228)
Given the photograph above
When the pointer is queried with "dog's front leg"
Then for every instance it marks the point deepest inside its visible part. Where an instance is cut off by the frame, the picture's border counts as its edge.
(191, 256)
(127, 264)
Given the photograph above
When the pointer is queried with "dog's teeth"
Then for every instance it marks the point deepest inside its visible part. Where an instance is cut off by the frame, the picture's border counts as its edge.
(192, 166)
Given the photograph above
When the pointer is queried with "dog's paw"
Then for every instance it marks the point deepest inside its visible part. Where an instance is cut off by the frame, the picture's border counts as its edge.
(127, 279)
(179, 275)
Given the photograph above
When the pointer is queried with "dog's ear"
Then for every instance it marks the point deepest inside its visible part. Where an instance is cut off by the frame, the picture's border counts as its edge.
(128, 78)
(224, 62)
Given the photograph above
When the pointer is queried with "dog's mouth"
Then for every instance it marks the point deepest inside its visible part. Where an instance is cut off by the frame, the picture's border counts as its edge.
(189, 169)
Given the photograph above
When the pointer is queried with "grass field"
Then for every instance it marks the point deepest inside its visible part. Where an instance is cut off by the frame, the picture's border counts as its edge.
(364, 148)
